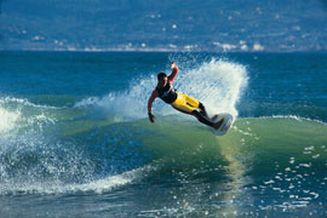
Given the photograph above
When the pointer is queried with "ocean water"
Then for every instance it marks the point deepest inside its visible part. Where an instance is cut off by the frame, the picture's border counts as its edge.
(75, 140)
(211, 25)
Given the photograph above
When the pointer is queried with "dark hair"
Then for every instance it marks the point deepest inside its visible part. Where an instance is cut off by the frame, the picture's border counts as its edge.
(161, 75)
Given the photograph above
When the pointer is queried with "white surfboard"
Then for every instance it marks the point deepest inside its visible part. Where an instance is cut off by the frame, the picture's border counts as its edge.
(225, 126)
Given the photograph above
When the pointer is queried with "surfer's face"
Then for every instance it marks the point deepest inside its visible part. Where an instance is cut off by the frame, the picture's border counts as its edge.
(163, 81)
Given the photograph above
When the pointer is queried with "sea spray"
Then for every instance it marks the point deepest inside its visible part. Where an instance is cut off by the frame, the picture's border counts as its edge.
(216, 83)
(8, 120)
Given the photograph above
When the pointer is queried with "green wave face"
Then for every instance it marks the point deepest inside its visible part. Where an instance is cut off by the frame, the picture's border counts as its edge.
(259, 159)
(263, 140)
(272, 163)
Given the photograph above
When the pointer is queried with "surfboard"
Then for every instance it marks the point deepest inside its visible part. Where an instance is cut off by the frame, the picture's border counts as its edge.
(228, 120)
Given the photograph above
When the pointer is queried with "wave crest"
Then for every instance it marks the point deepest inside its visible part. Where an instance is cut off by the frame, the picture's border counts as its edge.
(218, 84)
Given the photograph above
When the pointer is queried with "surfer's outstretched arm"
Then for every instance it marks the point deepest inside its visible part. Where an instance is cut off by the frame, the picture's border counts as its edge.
(150, 101)
(174, 72)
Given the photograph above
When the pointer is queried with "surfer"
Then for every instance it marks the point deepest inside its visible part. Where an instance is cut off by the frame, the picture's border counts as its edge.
(180, 101)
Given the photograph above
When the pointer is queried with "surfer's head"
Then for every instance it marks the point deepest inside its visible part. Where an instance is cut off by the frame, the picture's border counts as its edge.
(162, 79)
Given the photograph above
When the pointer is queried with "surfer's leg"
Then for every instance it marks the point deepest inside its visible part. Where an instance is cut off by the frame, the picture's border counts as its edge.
(196, 104)
(191, 101)
(189, 105)
(181, 109)
(203, 110)
(197, 114)
(205, 120)
(183, 104)
(202, 118)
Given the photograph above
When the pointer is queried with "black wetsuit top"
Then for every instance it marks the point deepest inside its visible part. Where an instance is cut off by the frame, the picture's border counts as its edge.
(168, 94)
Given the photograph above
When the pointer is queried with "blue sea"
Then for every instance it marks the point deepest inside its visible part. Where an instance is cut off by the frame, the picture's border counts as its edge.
(75, 140)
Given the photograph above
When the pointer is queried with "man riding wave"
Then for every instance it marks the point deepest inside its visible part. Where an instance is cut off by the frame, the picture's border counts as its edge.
(180, 101)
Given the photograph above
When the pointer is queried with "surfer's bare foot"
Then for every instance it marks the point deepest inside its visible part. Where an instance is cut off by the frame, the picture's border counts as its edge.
(218, 124)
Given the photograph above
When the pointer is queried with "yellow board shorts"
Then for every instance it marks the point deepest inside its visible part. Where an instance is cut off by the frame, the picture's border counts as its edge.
(185, 103)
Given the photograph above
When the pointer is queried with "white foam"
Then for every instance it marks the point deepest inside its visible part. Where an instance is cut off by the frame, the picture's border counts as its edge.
(218, 84)
(25, 102)
(129, 104)
(15, 114)
(8, 119)
(225, 46)
(293, 117)
(107, 184)
(57, 187)
(258, 47)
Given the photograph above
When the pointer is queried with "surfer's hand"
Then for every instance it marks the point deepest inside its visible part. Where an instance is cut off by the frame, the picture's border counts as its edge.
(173, 65)
(151, 117)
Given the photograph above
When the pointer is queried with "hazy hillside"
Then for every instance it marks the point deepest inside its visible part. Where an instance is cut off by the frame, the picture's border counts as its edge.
(230, 25)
